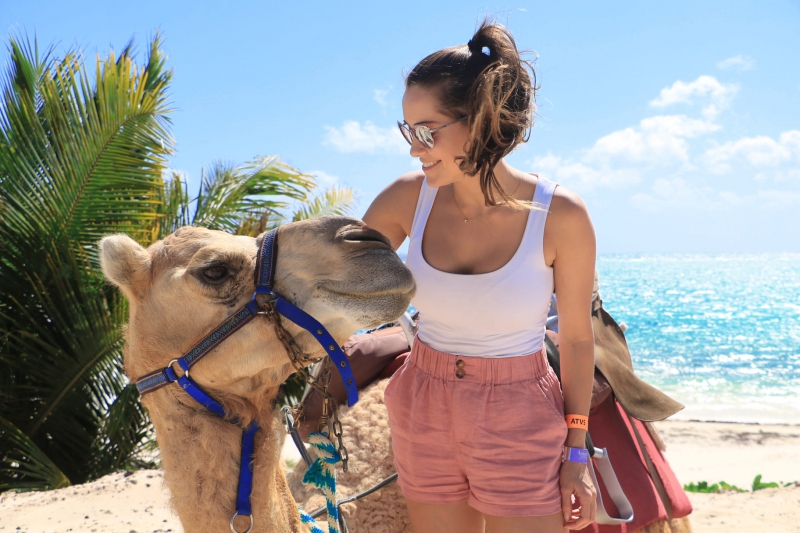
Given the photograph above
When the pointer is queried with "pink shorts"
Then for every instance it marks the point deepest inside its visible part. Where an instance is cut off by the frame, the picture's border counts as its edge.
(484, 431)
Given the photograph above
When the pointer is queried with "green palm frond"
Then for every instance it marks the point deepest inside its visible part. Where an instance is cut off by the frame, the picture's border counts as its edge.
(85, 158)
(64, 352)
(24, 466)
(257, 223)
(230, 193)
(124, 435)
(80, 156)
(334, 201)
(173, 208)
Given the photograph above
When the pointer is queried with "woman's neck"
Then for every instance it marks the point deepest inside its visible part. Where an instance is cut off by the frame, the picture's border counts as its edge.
(469, 196)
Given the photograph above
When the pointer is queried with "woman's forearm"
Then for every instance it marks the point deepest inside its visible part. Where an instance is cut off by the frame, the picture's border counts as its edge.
(577, 376)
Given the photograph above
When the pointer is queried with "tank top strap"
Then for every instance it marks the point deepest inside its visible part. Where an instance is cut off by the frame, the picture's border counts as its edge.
(424, 204)
(544, 194)
(533, 242)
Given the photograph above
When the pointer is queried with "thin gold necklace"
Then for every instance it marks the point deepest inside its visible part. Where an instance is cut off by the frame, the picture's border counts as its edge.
(453, 192)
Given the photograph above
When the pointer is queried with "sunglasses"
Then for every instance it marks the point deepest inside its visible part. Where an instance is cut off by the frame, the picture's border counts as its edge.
(423, 133)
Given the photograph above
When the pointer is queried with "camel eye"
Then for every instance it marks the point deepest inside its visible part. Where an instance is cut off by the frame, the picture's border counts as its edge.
(215, 273)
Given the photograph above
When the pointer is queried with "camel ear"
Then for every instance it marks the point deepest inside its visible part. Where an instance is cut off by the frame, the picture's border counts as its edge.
(125, 263)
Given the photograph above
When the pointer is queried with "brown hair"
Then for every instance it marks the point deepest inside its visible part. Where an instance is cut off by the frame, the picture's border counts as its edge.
(487, 81)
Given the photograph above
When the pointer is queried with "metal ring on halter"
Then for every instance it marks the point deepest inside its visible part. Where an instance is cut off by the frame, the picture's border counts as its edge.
(185, 373)
(249, 528)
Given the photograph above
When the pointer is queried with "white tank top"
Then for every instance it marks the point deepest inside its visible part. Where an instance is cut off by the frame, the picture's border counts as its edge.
(496, 314)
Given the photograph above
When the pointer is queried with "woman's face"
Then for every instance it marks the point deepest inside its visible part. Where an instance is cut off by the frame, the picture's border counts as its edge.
(420, 106)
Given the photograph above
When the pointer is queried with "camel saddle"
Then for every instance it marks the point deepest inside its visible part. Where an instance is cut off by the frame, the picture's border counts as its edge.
(613, 359)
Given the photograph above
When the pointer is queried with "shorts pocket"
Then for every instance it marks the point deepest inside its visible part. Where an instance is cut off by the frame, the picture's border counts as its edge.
(392, 385)
(549, 390)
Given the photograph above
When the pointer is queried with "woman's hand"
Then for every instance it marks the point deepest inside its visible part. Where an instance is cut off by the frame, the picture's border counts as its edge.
(575, 481)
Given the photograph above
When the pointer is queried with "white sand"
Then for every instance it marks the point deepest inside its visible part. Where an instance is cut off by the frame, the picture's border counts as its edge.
(734, 453)
(697, 451)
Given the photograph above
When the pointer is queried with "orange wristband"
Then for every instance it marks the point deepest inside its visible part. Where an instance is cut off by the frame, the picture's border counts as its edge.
(577, 422)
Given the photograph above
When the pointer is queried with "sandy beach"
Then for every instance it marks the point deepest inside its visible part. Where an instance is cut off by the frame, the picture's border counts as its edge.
(698, 451)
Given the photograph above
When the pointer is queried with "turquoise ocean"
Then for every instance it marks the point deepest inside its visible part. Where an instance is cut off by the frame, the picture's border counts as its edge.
(719, 333)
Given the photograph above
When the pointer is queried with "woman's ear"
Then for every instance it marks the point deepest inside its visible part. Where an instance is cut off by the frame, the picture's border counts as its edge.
(125, 263)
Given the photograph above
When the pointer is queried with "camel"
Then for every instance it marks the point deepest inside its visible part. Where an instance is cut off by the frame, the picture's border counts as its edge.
(337, 269)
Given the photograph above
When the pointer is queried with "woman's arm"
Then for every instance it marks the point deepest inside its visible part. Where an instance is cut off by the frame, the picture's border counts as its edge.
(572, 235)
(392, 211)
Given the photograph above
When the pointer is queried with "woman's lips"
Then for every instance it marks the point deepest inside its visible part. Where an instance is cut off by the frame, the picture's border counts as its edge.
(426, 166)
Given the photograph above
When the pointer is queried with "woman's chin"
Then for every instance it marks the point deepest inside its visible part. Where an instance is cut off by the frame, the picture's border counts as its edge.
(437, 179)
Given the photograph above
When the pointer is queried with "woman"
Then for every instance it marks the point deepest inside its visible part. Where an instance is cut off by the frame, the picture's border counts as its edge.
(477, 416)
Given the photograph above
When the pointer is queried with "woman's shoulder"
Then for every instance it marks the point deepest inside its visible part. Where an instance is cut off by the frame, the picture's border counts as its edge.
(392, 211)
(567, 204)
(408, 184)
(402, 192)
(569, 217)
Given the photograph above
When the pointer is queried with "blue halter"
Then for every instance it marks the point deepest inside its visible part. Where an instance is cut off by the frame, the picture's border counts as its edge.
(265, 275)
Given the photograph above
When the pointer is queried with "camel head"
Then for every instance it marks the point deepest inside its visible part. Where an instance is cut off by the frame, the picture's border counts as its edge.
(337, 269)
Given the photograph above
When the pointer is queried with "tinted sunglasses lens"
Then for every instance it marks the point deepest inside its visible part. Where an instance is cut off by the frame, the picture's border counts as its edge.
(424, 135)
(405, 131)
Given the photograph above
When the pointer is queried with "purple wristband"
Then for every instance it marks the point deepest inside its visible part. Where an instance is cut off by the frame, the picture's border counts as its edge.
(575, 455)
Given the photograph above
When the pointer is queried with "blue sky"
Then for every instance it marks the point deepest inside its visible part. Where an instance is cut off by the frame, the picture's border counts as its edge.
(678, 123)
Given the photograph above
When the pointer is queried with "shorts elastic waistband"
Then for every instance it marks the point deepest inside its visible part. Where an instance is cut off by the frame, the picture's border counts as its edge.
(484, 370)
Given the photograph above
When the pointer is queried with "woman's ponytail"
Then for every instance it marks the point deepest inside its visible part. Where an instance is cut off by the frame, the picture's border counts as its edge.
(488, 82)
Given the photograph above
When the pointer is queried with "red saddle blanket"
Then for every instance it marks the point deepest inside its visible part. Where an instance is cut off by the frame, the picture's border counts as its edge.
(625, 438)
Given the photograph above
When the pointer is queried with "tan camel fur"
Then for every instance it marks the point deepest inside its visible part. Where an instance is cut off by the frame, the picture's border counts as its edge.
(368, 441)
(344, 274)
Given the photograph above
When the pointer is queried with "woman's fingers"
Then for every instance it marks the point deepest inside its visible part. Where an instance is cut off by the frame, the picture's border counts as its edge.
(578, 498)
(585, 507)
(567, 508)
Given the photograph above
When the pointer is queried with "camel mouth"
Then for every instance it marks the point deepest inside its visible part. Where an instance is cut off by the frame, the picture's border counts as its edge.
(364, 235)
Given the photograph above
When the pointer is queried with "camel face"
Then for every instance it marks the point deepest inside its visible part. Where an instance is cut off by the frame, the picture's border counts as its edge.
(184, 286)
(350, 279)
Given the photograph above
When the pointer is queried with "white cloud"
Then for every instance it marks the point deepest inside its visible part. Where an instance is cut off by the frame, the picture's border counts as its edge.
(740, 62)
(380, 96)
(352, 136)
(703, 87)
(581, 176)
(324, 179)
(620, 158)
(660, 159)
(758, 151)
(657, 140)
(675, 194)
(779, 199)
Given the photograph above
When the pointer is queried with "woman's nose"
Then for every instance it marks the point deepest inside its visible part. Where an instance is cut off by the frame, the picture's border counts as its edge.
(417, 149)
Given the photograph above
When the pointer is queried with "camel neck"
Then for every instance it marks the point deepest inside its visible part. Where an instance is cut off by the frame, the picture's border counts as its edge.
(201, 454)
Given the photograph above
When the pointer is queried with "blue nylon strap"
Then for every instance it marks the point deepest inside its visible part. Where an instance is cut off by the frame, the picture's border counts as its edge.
(201, 396)
(246, 470)
(267, 259)
(306, 321)
(243, 506)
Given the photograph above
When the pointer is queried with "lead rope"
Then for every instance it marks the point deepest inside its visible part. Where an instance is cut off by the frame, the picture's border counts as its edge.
(322, 474)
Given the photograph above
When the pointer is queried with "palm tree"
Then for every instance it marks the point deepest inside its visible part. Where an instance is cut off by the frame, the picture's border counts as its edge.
(80, 158)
